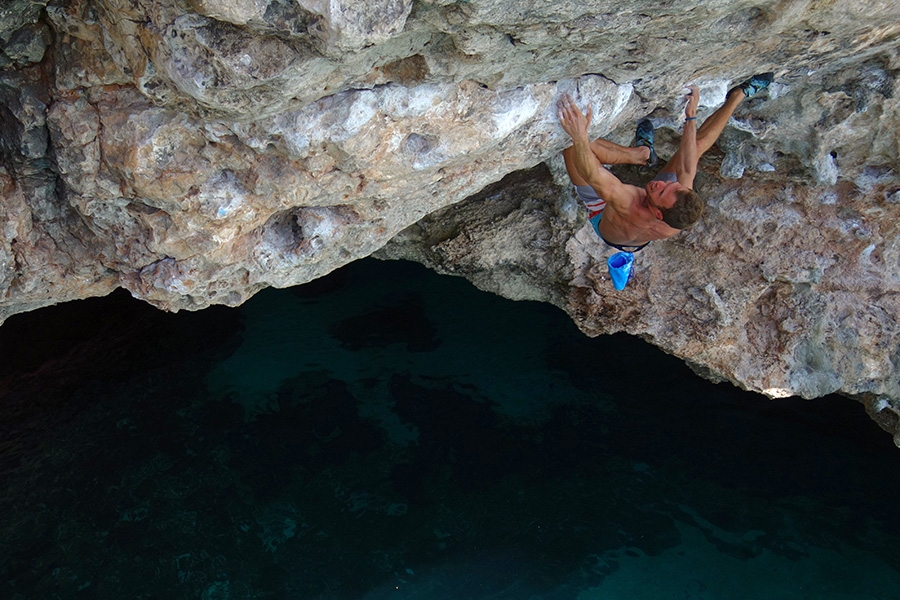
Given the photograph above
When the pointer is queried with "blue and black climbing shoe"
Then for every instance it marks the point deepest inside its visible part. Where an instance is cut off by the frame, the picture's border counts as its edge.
(644, 137)
(756, 83)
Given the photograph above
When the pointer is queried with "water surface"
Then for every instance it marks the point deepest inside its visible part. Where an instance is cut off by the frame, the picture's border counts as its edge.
(390, 433)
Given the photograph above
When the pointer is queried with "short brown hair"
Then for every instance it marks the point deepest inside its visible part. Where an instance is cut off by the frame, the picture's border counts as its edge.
(685, 212)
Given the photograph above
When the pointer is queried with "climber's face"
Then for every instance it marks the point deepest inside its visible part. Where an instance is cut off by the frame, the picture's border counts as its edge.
(661, 195)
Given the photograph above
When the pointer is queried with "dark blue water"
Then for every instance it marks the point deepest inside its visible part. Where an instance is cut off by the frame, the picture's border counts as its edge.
(390, 433)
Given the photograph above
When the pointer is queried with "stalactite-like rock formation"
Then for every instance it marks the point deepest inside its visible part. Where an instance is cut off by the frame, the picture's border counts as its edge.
(195, 152)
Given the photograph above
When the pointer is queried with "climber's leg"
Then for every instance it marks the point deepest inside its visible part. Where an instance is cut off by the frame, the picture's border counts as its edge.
(608, 153)
(715, 124)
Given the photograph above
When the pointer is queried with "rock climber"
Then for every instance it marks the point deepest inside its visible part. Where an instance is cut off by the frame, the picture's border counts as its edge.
(632, 217)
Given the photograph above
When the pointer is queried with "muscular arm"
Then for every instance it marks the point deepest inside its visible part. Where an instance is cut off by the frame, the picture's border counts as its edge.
(688, 155)
(583, 158)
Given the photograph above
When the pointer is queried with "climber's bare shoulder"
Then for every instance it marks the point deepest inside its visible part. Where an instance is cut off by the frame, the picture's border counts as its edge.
(620, 197)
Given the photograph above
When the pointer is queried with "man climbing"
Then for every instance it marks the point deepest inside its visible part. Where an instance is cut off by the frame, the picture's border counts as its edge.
(632, 217)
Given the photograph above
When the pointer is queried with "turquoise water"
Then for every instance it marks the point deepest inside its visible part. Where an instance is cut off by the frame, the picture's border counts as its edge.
(390, 433)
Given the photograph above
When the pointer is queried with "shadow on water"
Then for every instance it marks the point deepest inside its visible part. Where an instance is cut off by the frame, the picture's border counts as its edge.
(386, 432)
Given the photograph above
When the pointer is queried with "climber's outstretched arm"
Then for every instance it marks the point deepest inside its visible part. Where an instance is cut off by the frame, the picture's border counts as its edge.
(684, 162)
(581, 160)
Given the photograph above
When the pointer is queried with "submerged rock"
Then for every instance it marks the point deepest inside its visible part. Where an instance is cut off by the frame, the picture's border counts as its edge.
(195, 153)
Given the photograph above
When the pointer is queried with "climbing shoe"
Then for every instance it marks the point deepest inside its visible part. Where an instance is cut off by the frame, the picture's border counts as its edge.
(643, 136)
(756, 84)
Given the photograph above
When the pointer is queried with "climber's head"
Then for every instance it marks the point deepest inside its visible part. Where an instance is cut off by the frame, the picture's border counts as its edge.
(677, 205)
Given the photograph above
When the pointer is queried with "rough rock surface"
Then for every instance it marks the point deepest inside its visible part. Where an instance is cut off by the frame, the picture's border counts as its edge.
(197, 151)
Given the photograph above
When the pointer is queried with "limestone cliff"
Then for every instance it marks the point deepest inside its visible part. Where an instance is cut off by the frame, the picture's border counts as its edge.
(197, 151)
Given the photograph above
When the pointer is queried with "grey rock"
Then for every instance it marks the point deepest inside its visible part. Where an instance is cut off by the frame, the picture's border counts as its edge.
(28, 44)
(16, 14)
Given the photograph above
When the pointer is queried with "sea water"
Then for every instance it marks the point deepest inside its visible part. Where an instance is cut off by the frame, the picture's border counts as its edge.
(386, 432)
